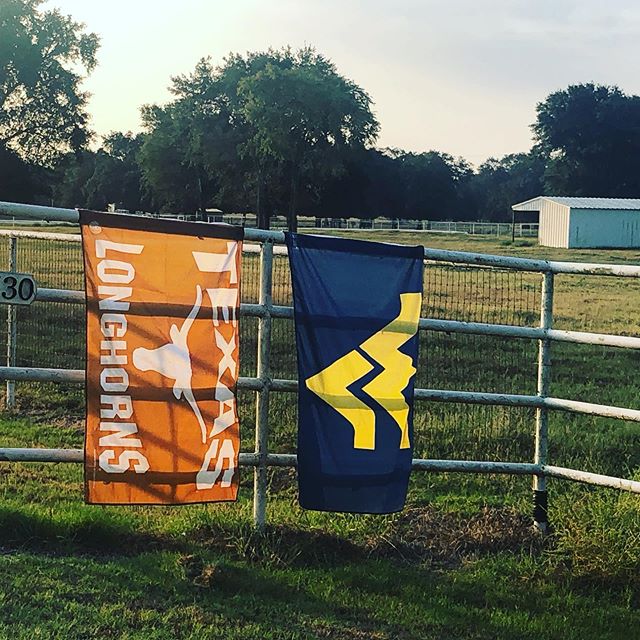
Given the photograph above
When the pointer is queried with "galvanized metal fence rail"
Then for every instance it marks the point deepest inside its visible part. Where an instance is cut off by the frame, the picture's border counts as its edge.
(264, 384)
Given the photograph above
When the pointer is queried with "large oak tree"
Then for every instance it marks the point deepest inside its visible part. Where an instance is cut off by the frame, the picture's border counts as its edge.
(590, 135)
(274, 124)
(43, 57)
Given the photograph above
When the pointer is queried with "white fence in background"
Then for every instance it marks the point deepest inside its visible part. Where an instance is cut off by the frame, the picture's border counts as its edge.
(264, 384)
(498, 229)
(248, 220)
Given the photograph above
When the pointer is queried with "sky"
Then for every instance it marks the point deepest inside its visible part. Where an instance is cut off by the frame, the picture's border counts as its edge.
(458, 76)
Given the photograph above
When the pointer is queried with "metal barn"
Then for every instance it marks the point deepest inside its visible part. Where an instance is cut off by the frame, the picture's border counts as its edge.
(585, 222)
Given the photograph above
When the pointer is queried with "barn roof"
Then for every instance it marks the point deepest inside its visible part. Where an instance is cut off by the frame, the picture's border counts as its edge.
(580, 203)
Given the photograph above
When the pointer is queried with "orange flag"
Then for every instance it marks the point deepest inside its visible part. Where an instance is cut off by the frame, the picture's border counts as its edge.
(162, 360)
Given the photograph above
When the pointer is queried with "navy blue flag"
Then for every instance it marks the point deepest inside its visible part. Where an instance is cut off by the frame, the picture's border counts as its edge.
(357, 306)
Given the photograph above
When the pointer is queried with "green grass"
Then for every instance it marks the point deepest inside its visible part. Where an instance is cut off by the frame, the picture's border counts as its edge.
(461, 561)
(168, 595)
(458, 562)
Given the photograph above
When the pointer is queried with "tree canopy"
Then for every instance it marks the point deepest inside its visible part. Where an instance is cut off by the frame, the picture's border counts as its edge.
(590, 137)
(111, 175)
(304, 117)
(281, 121)
(277, 132)
(42, 57)
(499, 183)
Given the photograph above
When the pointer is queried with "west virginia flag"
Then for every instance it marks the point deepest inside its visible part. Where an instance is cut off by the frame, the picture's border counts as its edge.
(357, 306)
(162, 360)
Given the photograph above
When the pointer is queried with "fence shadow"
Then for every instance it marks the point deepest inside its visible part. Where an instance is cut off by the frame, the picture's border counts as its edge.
(92, 534)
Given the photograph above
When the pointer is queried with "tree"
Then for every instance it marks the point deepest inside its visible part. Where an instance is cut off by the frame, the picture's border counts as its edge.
(590, 135)
(73, 172)
(43, 55)
(269, 128)
(210, 107)
(174, 187)
(499, 183)
(434, 185)
(399, 184)
(117, 177)
(304, 115)
(370, 186)
(110, 175)
(16, 177)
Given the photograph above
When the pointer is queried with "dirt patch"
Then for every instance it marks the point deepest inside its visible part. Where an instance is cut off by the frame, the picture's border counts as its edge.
(331, 632)
(205, 575)
(282, 480)
(417, 535)
(427, 534)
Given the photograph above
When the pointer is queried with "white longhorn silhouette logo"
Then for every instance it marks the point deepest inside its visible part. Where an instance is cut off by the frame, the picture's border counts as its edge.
(173, 360)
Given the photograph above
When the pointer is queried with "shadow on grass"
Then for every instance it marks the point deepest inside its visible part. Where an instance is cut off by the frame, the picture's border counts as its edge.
(281, 546)
(415, 536)
(372, 599)
(193, 595)
(288, 582)
(96, 532)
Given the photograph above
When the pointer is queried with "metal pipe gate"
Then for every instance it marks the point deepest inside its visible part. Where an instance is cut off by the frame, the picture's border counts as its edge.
(263, 384)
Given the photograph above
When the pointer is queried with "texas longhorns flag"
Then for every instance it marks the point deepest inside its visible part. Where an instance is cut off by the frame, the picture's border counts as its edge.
(162, 360)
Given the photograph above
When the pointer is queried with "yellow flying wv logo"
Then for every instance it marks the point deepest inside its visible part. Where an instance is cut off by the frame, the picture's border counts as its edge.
(386, 388)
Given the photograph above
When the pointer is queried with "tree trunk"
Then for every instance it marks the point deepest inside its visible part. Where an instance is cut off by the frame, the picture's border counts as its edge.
(262, 217)
(292, 218)
(200, 215)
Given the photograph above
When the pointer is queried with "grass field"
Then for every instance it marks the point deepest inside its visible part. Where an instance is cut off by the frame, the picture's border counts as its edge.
(460, 562)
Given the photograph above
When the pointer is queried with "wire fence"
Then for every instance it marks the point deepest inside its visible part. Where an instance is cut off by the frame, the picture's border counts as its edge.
(53, 335)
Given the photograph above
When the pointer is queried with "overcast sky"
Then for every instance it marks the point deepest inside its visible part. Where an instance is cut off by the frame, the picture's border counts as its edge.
(461, 76)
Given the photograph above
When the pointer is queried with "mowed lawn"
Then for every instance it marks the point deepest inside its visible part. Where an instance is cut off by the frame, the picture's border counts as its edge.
(461, 561)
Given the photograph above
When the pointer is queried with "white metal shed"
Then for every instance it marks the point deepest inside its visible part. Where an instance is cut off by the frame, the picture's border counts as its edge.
(585, 222)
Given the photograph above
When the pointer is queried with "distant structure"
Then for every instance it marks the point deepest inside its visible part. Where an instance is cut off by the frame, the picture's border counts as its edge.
(585, 222)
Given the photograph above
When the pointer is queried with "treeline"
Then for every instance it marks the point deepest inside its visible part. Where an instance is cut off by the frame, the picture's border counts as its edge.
(276, 133)
(374, 182)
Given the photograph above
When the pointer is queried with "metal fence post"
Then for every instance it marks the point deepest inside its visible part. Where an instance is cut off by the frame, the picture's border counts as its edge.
(262, 398)
(540, 500)
(12, 329)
